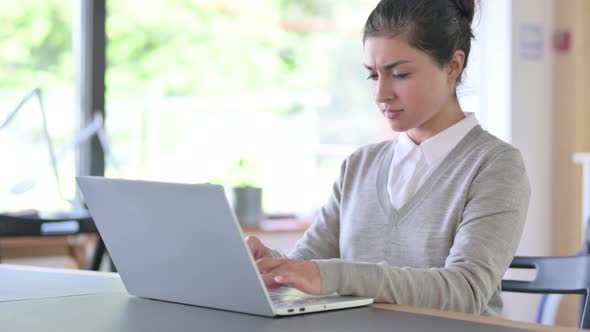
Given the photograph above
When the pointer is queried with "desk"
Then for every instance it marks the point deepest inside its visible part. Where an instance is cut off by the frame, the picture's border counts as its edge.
(38, 235)
(64, 300)
(73, 248)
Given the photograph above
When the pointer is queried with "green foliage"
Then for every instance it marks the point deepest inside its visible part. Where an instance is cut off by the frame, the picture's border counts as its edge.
(244, 173)
(35, 43)
(158, 48)
(203, 48)
(220, 48)
(166, 48)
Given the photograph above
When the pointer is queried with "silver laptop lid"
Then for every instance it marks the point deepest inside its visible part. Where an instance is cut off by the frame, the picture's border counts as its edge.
(176, 242)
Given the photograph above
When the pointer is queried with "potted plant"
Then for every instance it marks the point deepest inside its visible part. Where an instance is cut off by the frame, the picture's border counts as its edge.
(247, 195)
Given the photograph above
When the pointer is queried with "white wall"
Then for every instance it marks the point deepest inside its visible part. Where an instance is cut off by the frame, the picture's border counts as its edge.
(531, 112)
(493, 33)
(515, 105)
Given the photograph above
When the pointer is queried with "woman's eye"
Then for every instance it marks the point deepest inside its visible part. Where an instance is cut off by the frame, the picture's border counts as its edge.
(401, 75)
(372, 77)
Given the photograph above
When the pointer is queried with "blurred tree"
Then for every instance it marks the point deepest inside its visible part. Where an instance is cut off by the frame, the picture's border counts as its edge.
(180, 47)
(184, 47)
(35, 43)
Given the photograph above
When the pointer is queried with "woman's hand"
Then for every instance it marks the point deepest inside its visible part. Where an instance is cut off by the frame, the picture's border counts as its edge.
(258, 249)
(300, 274)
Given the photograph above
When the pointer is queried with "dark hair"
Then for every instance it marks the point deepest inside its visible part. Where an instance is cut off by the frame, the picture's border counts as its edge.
(436, 27)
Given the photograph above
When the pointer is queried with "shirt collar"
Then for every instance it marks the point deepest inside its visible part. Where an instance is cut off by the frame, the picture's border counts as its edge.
(403, 146)
(441, 144)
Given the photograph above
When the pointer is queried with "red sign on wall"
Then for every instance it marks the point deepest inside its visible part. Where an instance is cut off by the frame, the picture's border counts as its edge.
(562, 40)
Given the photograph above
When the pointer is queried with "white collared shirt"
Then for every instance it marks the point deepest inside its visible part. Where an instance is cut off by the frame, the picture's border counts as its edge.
(412, 164)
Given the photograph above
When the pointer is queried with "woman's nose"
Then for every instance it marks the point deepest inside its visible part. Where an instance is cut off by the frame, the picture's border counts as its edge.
(383, 91)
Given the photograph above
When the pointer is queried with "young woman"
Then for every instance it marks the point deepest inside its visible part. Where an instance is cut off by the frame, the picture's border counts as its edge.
(433, 217)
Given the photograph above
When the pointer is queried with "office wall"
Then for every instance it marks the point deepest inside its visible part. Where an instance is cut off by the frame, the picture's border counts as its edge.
(571, 119)
(570, 122)
(531, 100)
(547, 119)
(492, 43)
(531, 103)
(515, 102)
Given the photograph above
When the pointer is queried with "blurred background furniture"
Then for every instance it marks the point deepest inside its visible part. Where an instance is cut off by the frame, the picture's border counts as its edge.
(555, 275)
(36, 234)
(33, 233)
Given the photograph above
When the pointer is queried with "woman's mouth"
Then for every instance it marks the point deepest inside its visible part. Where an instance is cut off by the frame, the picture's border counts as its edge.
(392, 114)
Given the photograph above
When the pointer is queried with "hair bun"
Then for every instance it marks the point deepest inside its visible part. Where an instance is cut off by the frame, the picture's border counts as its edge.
(466, 8)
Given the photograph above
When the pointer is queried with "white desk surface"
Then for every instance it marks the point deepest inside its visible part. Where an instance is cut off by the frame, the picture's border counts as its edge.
(19, 283)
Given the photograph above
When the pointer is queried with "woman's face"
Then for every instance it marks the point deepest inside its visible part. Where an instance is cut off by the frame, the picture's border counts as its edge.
(412, 91)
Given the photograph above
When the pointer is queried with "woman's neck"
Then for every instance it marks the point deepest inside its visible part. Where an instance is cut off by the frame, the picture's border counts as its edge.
(438, 123)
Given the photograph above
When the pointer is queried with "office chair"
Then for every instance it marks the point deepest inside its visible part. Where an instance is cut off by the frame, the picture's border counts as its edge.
(555, 275)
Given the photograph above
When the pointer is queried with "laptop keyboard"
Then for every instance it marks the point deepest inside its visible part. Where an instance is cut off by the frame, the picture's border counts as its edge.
(282, 298)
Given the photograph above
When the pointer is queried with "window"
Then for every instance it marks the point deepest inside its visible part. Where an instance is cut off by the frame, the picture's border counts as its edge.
(36, 51)
(193, 87)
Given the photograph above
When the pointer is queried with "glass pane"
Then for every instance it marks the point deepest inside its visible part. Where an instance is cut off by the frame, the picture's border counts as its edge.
(36, 51)
(196, 86)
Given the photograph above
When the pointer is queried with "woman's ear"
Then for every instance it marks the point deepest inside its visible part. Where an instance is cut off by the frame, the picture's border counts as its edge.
(456, 65)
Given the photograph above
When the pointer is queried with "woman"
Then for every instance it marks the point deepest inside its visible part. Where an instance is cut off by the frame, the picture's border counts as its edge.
(433, 217)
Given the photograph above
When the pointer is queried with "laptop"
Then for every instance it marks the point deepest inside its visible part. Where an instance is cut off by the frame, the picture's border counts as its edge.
(182, 243)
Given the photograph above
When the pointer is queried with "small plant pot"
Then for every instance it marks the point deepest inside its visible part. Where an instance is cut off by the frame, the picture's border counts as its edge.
(247, 204)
